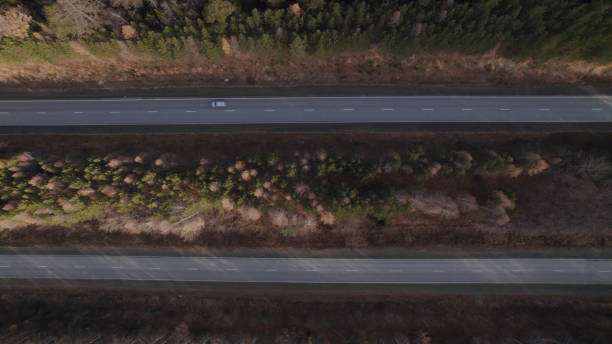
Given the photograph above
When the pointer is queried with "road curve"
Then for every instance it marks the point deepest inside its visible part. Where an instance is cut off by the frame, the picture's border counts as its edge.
(309, 270)
(296, 110)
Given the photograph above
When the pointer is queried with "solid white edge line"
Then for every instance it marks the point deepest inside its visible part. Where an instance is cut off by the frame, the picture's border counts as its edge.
(320, 259)
(319, 282)
(273, 98)
(307, 122)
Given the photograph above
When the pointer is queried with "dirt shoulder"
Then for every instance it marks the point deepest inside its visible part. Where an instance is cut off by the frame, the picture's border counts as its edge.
(279, 252)
(271, 90)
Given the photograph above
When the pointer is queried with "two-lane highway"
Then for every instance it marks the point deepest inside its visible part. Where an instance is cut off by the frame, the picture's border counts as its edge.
(309, 270)
(296, 110)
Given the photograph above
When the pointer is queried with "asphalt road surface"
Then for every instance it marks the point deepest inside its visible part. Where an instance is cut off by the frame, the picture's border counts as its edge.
(308, 270)
(428, 109)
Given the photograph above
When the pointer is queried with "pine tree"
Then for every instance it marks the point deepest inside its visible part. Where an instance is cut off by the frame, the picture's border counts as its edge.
(298, 47)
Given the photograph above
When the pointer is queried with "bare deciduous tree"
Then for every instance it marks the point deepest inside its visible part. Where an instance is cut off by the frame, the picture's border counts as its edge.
(86, 15)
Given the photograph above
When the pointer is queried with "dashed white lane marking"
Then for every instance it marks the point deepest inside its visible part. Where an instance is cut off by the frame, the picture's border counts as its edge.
(271, 270)
(477, 271)
(41, 113)
(114, 112)
(311, 270)
(596, 109)
(155, 268)
(504, 109)
(544, 109)
(269, 110)
(79, 267)
(78, 112)
(4, 266)
(517, 270)
(152, 111)
(309, 110)
(43, 267)
(387, 109)
(438, 271)
(348, 109)
(350, 270)
(116, 267)
(230, 110)
(466, 109)
(3, 113)
(231, 269)
(190, 111)
(427, 109)
(603, 271)
(558, 270)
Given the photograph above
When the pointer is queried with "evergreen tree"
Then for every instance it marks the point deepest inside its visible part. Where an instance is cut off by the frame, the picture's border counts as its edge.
(216, 13)
(298, 47)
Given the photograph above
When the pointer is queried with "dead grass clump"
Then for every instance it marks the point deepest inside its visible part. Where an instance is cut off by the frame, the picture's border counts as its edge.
(497, 214)
(300, 189)
(278, 218)
(503, 200)
(594, 168)
(250, 214)
(466, 202)
(537, 167)
(401, 197)
(214, 186)
(327, 218)
(513, 171)
(434, 203)
(191, 229)
(434, 169)
(463, 155)
(15, 23)
(227, 203)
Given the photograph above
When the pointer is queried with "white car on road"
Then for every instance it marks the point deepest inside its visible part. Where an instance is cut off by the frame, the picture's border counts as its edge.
(218, 104)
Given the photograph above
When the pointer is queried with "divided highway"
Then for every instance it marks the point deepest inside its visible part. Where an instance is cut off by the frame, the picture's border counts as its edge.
(308, 270)
(296, 110)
